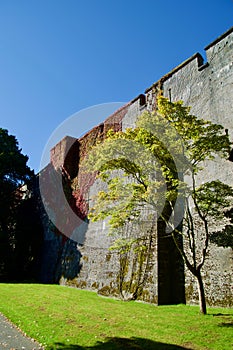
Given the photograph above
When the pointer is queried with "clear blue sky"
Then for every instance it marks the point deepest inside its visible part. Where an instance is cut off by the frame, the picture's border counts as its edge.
(60, 56)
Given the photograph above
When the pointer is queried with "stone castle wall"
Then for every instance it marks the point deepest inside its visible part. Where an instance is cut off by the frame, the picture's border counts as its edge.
(208, 88)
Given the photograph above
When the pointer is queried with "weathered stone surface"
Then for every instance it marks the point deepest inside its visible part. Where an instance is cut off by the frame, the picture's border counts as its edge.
(208, 88)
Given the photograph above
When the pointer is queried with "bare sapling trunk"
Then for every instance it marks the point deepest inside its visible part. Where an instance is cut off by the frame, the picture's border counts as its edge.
(197, 273)
(201, 292)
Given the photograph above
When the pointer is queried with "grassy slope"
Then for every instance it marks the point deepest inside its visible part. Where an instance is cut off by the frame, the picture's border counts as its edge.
(67, 318)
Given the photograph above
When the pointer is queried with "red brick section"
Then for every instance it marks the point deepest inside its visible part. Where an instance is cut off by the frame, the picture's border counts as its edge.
(98, 133)
(65, 159)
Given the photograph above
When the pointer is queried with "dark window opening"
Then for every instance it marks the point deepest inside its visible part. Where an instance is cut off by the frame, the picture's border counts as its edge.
(170, 94)
(142, 100)
(231, 156)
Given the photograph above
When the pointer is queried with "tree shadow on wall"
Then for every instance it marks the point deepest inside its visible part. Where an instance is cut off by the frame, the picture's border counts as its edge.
(64, 216)
(68, 265)
(123, 343)
(224, 238)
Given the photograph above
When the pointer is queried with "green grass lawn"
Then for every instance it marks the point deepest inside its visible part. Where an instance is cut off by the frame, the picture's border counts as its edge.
(67, 318)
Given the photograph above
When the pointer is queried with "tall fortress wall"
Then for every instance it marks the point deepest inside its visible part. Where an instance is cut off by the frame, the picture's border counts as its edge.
(206, 86)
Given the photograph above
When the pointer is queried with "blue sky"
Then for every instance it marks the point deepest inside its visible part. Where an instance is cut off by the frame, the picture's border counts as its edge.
(60, 56)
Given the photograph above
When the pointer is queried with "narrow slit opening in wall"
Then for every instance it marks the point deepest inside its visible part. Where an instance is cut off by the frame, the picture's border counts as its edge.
(231, 152)
(101, 127)
(170, 94)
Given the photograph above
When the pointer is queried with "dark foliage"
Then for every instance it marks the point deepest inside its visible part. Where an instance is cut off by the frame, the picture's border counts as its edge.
(19, 224)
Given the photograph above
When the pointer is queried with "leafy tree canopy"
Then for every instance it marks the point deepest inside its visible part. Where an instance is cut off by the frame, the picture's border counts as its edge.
(164, 147)
(13, 164)
(14, 172)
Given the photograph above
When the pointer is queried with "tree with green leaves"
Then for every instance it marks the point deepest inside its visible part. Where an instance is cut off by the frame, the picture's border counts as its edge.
(158, 165)
(14, 173)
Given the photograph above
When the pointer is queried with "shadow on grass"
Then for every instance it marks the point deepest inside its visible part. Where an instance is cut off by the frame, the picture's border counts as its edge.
(222, 315)
(226, 324)
(228, 320)
(123, 343)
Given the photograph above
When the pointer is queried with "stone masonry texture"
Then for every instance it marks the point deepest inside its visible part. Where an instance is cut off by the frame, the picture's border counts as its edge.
(158, 276)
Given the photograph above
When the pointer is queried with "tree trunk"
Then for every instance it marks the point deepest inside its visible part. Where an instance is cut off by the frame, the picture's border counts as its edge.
(201, 292)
